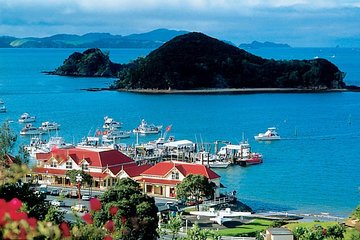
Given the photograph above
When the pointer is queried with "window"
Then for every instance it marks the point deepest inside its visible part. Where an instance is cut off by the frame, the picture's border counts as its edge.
(175, 175)
(69, 164)
(85, 166)
(53, 163)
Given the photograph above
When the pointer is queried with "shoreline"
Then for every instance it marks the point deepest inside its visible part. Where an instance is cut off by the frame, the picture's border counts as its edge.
(233, 91)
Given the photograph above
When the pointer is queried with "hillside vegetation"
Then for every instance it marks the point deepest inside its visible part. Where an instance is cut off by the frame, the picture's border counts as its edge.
(194, 61)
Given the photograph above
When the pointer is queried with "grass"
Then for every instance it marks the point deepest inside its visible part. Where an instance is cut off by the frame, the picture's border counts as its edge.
(257, 225)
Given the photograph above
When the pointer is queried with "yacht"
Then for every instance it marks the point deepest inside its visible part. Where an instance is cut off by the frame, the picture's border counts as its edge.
(37, 145)
(145, 128)
(26, 118)
(115, 134)
(110, 123)
(269, 135)
(48, 126)
(30, 130)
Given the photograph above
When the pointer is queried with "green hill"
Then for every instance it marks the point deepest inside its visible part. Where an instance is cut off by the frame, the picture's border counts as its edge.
(91, 63)
(197, 61)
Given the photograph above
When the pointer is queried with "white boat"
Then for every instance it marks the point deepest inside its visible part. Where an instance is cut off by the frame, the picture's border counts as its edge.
(30, 130)
(37, 145)
(2, 106)
(145, 128)
(269, 135)
(96, 143)
(210, 160)
(48, 126)
(26, 118)
(115, 134)
(110, 123)
(240, 153)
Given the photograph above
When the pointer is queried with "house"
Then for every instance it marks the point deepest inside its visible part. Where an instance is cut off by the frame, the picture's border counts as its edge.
(160, 180)
(278, 234)
(106, 166)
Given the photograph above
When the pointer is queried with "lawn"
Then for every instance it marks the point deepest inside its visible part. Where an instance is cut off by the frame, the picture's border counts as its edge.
(257, 225)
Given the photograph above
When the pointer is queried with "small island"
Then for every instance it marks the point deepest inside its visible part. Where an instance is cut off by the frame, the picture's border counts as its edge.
(256, 45)
(197, 62)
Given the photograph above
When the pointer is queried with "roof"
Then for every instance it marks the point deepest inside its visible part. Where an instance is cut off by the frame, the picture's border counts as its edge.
(179, 143)
(95, 158)
(62, 172)
(163, 168)
(280, 231)
(159, 181)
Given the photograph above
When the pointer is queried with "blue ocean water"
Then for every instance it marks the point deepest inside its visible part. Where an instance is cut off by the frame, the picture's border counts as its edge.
(315, 170)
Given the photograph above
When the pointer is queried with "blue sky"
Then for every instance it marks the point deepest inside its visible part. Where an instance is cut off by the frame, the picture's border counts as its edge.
(296, 22)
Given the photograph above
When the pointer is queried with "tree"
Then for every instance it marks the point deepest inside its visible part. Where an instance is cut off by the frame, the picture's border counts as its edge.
(195, 187)
(86, 178)
(336, 231)
(7, 141)
(55, 215)
(356, 213)
(196, 233)
(174, 224)
(133, 213)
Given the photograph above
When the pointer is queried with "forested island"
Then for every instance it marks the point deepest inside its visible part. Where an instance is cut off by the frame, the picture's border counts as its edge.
(195, 61)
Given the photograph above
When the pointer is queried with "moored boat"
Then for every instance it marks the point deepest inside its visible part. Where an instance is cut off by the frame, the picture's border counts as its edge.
(26, 118)
(115, 134)
(30, 130)
(269, 135)
(240, 154)
(110, 123)
(210, 160)
(49, 126)
(145, 128)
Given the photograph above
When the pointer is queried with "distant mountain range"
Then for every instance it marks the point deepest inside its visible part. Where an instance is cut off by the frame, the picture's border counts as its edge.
(151, 39)
(256, 44)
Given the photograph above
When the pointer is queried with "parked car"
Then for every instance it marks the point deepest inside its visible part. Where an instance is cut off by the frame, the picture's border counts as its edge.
(57, 203)
(79, 208)
(64, 193)
(86, 197)
(54, 192)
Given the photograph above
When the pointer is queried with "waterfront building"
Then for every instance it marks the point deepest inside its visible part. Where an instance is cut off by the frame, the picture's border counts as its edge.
(106, 166)
(160, 180)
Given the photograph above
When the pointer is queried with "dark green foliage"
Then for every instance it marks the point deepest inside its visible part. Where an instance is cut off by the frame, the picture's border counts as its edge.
(195, 61)
(55, 215)
(86, 178)
(195, 187)
(136, 217)
(35, 204)
(91, 63)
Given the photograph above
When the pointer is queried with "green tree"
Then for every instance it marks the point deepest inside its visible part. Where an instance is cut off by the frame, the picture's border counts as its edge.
(86, 178)
(195, 187)
(55, 215)
(7, 141)
(336, 231)
(174, 224)
(356, 213)
(197, 233)
(136, 213)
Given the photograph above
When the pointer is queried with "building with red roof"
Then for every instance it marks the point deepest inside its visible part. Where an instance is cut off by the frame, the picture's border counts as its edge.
(106, 166)
(160, 180)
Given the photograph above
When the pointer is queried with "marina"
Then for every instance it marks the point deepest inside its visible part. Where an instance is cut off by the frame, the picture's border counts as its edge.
(303, 166)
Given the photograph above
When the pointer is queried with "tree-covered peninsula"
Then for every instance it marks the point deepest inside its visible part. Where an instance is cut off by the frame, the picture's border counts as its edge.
(196, 61)
(91, 63)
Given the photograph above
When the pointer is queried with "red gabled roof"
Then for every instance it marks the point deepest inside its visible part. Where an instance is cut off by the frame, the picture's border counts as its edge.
(136, 171)
(51, 171)
(95, 158)
(163, 168)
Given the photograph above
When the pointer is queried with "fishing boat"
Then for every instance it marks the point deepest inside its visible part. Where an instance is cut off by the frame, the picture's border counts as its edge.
(240, 154)
(37, 145)
(30, 130)
(26, 118)
(110, 123)
(269, 135)
(49, 126)
(145, 128)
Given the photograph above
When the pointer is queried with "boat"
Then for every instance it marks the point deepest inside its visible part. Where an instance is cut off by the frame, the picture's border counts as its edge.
(240, 154)
(30, 130)
(2, 106)
(115, 134)
(49, 126)
(210, 160)
(26, 118)
(145, 128)
(37, 145)
(269, 135)
(110, 123)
